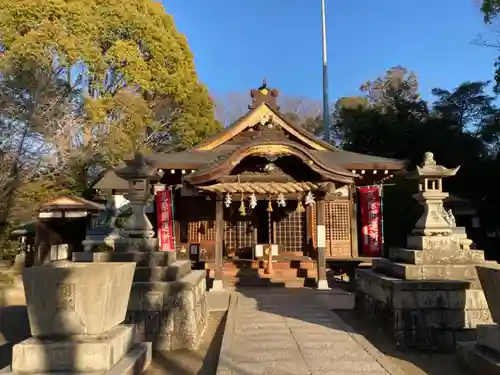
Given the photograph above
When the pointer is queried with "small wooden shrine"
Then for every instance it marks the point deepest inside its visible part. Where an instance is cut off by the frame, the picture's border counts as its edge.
(264, 180)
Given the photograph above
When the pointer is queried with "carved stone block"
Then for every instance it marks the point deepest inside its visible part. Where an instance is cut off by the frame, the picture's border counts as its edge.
(65, 299)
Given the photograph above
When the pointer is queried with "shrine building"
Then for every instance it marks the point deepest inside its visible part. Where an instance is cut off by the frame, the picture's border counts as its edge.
(266, 181)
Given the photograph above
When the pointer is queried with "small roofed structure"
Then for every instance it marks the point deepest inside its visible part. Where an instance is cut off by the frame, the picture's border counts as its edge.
(61, 227)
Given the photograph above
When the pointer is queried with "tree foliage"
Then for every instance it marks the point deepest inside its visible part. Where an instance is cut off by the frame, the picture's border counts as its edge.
(84, 84)
(460, 126)
(132, 66)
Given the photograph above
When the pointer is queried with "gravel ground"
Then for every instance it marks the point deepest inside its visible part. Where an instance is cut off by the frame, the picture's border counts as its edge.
(411, 362)
(201, 362)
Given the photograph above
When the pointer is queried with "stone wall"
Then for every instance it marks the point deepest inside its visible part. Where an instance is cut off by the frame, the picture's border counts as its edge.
(426, 314)
(171, 315)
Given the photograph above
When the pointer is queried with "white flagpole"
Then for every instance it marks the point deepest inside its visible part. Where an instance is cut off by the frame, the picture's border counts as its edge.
(326, 114)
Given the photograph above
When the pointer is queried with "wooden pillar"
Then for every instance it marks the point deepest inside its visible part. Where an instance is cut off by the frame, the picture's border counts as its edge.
(219, 243)
(354, 222)
(322, 283)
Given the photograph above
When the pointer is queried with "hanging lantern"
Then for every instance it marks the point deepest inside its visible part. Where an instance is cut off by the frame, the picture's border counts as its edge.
(253, 201)
(242, 210)
(300, 207)
(281, 200)
(269, 205)
(309, 199)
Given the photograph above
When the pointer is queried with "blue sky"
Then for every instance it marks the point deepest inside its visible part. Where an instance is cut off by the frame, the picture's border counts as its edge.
(237, 43)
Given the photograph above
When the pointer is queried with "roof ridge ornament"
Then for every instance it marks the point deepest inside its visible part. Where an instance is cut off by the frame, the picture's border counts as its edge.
(264, 95)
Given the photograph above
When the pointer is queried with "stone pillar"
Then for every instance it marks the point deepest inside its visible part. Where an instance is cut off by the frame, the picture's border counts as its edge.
(322, 283)
(219, 244)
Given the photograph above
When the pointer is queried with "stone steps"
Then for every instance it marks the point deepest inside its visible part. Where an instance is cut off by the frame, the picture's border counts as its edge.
(260, 263)
(284, 273)
(173, 272)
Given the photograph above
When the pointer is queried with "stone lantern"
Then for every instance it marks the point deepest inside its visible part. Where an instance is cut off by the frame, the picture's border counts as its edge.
(433, 228)
(139, 174)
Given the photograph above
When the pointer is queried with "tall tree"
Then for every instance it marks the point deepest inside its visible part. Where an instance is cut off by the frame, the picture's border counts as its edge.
(132, 66)
(85, 83)
(396, 85)
(468, 106)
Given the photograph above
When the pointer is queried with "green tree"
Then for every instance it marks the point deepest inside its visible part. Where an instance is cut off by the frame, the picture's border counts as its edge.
(133, 68)
(460, 127)
(84, 84)
(490, 9)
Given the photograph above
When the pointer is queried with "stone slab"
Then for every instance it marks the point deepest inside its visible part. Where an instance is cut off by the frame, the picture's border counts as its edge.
(431, 243)
(146, 245)
(489, 276)
(154, 259)
(135, 362)
(79, 354)
(420, 257)
(478, 359)
(489, 336)
(464, 272)
(67, 298)
(173, 272)
(312, 341)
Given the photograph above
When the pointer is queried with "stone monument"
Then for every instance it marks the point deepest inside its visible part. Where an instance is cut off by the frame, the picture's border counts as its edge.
(483, 355)
(76, 311)
(428, 294)
(168, 299)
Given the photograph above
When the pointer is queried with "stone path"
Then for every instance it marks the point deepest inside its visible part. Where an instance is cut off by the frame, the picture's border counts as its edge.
(291, 332)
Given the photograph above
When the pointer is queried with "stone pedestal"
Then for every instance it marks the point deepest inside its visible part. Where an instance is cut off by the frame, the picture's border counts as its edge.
(428, 299)
(75, 312)
(167, 300)
(96, 238)
(483, 355)
(427, 295)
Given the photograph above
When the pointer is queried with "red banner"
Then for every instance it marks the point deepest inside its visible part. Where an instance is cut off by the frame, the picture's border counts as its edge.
(164, 219)
(371, 221)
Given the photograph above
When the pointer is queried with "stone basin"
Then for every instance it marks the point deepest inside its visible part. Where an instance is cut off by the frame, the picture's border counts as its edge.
(66, 299)
(489, 276)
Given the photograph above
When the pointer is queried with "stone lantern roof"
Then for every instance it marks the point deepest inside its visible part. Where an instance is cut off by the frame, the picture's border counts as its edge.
(430, 169)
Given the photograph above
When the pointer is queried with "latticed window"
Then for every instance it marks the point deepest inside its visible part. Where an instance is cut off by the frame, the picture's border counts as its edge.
(203, 230)
(337, 228)
(238, 233)
(290, 230)
(197, 221)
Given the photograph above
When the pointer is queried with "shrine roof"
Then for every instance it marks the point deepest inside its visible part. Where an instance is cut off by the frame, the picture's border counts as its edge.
(70, 203)
(195, 159)
(263, 113)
